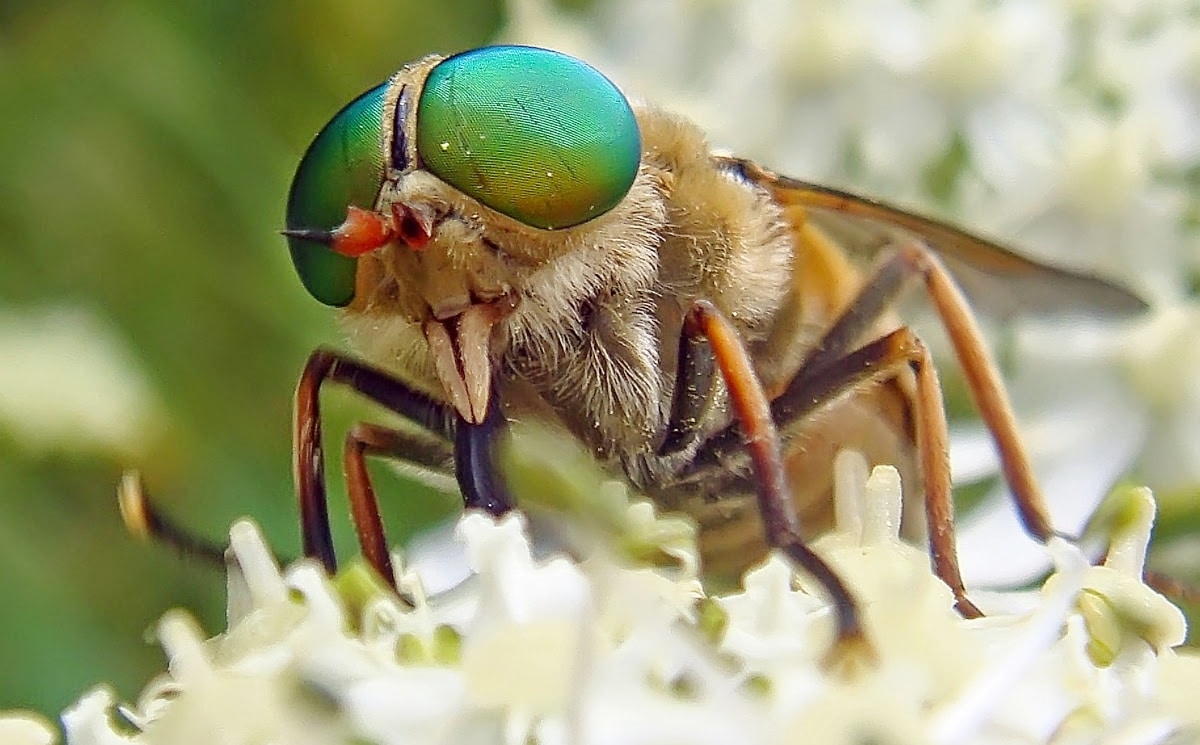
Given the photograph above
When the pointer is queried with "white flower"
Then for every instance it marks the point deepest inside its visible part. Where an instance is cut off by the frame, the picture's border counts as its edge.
(598, 650)
(25, 728)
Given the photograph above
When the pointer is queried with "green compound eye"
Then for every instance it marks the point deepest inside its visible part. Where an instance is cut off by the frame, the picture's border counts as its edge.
(531, 133)
(343, 166)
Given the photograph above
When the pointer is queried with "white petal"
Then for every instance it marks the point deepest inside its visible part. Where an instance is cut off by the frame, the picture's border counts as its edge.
(26, 728)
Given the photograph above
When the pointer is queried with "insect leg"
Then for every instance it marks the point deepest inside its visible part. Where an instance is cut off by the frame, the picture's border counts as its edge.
(143, 519)
(762, 440)
(362, 440)
(933, 448)
(693, 387)
(472, 446)
(876, 362)
(894, 271)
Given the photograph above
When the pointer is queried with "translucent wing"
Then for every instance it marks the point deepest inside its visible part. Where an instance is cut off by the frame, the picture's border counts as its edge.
(998, 280)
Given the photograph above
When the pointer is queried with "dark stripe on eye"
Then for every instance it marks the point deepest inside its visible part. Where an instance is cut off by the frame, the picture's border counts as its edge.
(399, 138)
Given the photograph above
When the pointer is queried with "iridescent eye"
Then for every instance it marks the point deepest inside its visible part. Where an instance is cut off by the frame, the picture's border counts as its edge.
(531, 133)
(343, 166)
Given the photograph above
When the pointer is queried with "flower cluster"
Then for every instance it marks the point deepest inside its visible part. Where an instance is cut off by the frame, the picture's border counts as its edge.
(547, 649)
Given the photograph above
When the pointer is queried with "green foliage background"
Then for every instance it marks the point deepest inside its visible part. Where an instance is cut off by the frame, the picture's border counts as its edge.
(146, 149)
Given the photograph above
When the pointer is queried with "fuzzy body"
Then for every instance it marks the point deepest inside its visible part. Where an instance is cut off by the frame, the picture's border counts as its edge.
(591, 345)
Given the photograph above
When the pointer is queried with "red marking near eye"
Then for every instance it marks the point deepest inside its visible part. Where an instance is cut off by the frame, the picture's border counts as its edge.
(362, 232)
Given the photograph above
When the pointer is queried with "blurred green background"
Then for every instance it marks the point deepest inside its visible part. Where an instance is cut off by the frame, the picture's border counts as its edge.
(145, 154)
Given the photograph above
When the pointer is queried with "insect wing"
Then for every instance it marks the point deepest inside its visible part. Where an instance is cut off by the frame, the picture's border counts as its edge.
(998, 280)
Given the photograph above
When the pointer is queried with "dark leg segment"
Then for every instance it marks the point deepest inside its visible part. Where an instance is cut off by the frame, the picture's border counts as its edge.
(693, 387)
(474, 461)
(143, 519)
(308, 455)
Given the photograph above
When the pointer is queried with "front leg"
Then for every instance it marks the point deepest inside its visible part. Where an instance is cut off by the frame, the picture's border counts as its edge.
(727, 353)
(472, 452)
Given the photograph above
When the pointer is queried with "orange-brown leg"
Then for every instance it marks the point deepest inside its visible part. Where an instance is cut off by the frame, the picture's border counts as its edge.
(471, 450)
(365, 439)
(766, 457)
(894, 272)
(836, 365)
(362, 440)
(878, 361)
